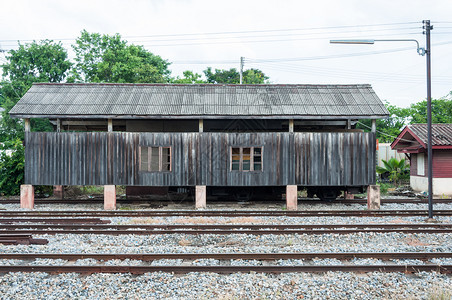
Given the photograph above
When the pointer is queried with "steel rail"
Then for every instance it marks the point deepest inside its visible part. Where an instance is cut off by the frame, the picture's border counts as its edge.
(221, 213)
(222, 226)
(386, 268)
(224, 232)
(228, 256)
(55, 221)
(303, 200)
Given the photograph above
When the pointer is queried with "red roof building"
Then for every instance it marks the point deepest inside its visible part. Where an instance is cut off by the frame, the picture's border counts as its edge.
(413, 142)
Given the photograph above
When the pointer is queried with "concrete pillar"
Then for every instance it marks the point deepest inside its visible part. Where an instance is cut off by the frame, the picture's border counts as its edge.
(27, 196)
(347, 195)
(201, 196)
(58, 191)
(109, 197)
(373, 197)
(291, 197)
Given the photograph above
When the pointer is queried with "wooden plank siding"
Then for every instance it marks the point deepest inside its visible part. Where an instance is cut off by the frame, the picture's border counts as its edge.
(100, 158)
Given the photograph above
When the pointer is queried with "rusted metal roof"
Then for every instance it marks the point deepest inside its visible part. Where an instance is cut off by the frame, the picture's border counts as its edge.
(63, 100)
(441, 133)
(415, 137)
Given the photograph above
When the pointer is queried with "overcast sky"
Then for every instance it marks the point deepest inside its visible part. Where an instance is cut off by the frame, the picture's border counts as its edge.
(287, 40)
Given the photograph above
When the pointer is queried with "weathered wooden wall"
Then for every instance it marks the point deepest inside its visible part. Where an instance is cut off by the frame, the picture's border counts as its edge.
(100, 158)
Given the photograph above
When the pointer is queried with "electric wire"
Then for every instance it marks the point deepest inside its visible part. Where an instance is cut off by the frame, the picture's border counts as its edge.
(389, 135)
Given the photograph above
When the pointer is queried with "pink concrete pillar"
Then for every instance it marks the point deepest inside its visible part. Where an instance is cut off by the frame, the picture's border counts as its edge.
(348, 196)
(27, 196)
(291, 197)
(201, 196)
(58, 191)
(373, 197)
(109, 197)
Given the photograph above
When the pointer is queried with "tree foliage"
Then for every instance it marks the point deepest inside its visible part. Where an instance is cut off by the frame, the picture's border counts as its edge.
(399, 117)
(44, 61)
(388, 129)
(105, 58)
(441, 111)
(232, 76)
(189, 78)
(11, 167)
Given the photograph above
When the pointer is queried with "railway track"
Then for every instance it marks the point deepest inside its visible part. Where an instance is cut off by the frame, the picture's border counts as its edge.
(308, 266)
(220, 213)
(163, 203)
(222, 229)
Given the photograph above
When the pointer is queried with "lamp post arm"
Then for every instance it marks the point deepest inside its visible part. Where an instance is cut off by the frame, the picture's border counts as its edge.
(420, 51)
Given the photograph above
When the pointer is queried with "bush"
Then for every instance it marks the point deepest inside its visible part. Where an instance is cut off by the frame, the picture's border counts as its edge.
(11, 168)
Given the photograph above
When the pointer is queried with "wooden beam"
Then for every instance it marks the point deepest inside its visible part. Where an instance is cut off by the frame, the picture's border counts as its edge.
(110, 125)
(291, 125)
(374, 126)
(58, 124)
(201, 125)
(27, 125)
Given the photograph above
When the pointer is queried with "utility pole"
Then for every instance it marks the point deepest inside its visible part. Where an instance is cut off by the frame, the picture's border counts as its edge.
(427, 27)
(242, 62)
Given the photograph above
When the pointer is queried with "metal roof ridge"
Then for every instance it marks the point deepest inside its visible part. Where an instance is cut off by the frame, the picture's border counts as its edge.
(200, 84)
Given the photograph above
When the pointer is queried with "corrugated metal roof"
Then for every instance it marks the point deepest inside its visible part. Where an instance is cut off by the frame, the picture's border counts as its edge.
(441, 133)
(62, 100)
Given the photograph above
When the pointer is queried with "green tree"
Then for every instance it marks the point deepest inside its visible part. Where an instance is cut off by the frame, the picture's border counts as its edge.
(441, 111)
(105, 58)
(11, 167)
(45, 61)
(389, 129)
(232, 76)
(189, 78)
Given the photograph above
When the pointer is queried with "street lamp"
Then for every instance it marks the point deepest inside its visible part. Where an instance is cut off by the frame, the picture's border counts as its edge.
(421, 51)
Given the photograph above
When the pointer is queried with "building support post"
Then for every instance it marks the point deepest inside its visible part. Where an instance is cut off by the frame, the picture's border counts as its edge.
(27, 196)
(58, 192)
(27, 125)
(201, 125)
(109, 197)
(291, 125)
(58, 124)
(291, 197)
(373, 197)
(374, 126)
(110, 125)
(201, 196)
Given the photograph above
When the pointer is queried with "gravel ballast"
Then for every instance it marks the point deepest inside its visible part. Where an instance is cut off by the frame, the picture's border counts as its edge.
(332, 285)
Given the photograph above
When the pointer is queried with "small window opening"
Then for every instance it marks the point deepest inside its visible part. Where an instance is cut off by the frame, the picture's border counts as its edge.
(155, 159)
(246, 158)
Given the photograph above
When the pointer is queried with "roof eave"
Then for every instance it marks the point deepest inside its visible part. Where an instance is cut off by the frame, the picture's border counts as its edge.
(295, 117)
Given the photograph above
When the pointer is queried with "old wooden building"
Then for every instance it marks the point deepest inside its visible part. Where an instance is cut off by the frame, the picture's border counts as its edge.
(206, 137)
(413, 142)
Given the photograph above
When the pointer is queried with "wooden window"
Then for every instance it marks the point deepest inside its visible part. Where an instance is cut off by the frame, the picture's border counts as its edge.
(420, 164)
(246, 159)
(155, 159)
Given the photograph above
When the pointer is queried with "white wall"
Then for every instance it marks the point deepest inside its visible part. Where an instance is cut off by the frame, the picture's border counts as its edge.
(440, 185)
(385, 152)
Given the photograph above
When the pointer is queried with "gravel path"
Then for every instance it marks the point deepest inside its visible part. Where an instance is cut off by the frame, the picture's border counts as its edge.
(331, 285)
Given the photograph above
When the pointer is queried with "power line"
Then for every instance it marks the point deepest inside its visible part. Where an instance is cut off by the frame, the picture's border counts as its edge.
(242, 32)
